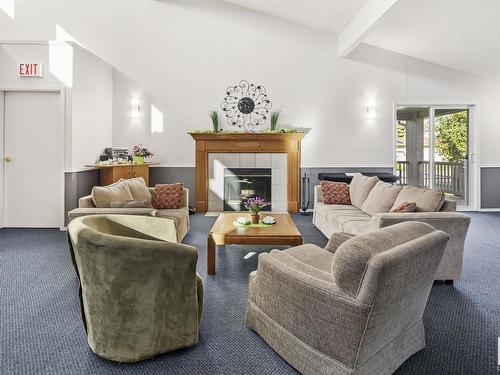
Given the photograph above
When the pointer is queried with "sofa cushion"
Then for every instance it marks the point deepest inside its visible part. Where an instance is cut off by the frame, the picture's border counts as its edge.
(351, 259)
(102, 196)
(341, 221)
(335, 192)
(357, 227)
(381, 198)
(360, 187)
(78, 212)
(146, 203)
(426, 200)
(322, 207)
(405, 207)
(138, 188)
(168, 196)
(322, 211)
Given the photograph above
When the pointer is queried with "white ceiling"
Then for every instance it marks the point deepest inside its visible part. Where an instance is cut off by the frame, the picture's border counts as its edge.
(326, 15)
(460, 34)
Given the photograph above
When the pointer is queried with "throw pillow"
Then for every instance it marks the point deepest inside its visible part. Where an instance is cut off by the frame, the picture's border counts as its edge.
(145, 203)
(426, 200)
(138, 188)
(405, 207)
(360, 187)
(381, 198)
(168, 196)
(102, 196)
(335, 192)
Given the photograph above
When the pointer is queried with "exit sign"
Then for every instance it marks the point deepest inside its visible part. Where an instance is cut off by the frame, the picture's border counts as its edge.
(30, 70)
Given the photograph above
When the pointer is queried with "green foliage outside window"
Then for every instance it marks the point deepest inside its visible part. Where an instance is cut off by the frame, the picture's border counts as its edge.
(451, 136)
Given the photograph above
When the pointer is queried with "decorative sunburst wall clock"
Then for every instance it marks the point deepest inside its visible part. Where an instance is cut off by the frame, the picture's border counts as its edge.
(246, 105)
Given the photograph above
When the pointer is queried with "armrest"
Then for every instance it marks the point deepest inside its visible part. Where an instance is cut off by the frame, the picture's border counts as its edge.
(449, 206)
(310, 308)
(77, 212)
(336, 240)
(163, 229)
(318, 195)
(86, 202)
(449, 222)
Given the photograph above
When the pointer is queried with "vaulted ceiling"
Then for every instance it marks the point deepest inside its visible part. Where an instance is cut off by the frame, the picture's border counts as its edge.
(460, 34)
(326, 15)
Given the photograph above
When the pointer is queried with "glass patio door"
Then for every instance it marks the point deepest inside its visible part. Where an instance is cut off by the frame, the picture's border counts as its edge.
(432, 148)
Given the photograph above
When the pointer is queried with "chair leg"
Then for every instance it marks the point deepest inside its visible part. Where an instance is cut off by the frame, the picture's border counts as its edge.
(448, 282)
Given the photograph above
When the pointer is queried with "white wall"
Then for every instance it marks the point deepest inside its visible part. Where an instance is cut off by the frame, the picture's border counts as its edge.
(92, 108)
(87, 83)
(185, 53)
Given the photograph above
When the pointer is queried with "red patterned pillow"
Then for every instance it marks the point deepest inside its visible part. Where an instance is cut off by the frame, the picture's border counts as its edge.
(335, 192)
(168, 196)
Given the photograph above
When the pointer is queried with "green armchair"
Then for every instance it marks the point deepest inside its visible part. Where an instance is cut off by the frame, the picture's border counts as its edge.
(139, 290)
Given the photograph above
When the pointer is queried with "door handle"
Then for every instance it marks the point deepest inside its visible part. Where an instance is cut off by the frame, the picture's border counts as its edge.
(7, 159)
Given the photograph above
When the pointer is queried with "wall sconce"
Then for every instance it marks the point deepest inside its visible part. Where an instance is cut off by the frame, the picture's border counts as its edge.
(135, 108)
(370, 109)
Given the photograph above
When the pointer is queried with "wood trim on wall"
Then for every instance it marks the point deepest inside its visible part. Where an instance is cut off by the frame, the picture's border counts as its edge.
(252, 143)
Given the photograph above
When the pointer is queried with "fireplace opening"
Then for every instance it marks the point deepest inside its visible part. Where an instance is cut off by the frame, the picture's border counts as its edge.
(243, 183)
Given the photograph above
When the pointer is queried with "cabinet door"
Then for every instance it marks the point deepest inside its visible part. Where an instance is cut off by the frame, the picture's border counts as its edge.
(141, 171)
(122, 172)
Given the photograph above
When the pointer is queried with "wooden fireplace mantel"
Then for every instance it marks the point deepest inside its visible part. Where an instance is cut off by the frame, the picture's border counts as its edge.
(288, 143)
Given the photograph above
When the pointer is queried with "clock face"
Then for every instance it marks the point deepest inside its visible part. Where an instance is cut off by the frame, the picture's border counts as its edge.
(246, 105)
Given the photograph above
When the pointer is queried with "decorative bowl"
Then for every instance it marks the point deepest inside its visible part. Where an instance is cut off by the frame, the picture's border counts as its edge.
(269, 220)
(243, 220)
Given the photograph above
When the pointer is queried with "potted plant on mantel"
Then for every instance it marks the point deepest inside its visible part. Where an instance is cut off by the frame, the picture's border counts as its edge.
(274, 120)
(214, 116)
(140, 153)
(254, 204)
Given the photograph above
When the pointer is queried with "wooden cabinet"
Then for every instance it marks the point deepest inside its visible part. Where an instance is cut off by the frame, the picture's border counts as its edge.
(113, 173)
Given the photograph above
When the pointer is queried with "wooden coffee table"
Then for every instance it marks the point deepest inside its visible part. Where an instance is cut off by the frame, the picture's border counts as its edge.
(224, 232)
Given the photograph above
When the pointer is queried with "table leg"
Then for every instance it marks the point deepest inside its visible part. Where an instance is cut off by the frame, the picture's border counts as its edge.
(210, 255)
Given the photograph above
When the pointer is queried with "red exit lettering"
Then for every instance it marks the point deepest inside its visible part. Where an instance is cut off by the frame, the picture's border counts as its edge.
(30, 70)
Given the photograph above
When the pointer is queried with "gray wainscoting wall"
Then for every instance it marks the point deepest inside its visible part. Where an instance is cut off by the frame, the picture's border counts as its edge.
(490, 187)
(77, 185)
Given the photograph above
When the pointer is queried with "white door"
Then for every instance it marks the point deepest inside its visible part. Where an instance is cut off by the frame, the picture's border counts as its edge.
(33, 152)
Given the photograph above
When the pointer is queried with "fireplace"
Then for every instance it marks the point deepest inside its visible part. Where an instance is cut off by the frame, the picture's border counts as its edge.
(278, 151)
(243, 183)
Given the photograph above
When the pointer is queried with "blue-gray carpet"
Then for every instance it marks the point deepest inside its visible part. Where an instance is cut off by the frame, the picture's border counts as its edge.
(41, 330)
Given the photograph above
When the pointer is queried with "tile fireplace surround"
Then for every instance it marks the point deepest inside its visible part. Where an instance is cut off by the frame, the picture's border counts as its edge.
(217, 162)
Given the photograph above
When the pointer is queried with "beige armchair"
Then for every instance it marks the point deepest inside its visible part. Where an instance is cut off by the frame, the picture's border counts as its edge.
(354, 308)
(140, 293)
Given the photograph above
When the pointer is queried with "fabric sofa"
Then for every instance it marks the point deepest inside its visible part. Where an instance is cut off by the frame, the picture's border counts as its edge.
(360, 217)
(139, 292)
(354, 307)
(180, 216)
